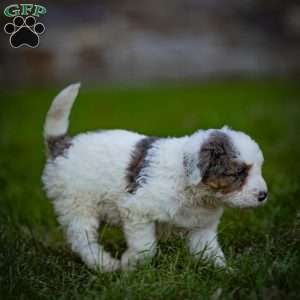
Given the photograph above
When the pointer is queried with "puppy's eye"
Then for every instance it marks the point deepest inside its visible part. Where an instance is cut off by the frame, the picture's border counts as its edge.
(243, 169)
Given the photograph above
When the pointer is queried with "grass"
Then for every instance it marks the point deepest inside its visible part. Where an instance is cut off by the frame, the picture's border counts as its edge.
(263, 246)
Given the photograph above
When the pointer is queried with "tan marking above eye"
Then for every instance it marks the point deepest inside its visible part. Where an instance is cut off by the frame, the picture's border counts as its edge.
(213, 184)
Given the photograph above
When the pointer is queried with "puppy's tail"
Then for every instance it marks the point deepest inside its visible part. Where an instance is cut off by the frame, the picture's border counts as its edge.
(57, 120)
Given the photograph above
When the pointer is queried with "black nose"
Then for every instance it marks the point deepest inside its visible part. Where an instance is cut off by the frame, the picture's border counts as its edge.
(262, 196)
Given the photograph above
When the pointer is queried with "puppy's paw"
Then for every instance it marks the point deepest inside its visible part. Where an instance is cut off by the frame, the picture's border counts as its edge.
(111, 265)
(219, 262)
(129, 260)
(107, 265)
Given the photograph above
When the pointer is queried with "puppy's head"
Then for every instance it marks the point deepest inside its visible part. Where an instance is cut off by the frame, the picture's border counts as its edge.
(228, 164)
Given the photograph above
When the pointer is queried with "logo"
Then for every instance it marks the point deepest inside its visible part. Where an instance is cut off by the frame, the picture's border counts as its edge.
(24, 30)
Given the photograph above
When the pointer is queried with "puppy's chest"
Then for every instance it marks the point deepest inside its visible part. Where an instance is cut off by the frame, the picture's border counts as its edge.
(187, 217)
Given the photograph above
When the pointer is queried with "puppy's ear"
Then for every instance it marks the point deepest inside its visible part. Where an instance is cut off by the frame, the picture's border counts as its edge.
(219, 166)
(213, 162)
(215, 153)
(208, 160)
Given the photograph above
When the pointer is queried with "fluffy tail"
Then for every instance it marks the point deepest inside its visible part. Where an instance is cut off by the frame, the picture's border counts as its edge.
(57, 120)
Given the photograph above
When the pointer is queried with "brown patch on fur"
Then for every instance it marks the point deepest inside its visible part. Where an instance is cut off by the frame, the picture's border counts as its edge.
(57, 145)
(219, 163)
(138, 162)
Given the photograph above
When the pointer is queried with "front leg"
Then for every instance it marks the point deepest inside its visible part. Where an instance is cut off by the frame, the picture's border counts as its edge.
(141, 242)
(203, 243)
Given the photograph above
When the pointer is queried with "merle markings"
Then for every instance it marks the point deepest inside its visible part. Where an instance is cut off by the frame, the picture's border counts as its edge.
(57, 145)
(139, 161)
(220, 166)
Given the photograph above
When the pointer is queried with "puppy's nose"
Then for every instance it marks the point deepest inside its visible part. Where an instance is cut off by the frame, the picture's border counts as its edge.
(262, 195)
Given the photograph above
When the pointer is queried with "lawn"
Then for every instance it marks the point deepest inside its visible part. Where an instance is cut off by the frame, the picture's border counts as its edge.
(262, 246)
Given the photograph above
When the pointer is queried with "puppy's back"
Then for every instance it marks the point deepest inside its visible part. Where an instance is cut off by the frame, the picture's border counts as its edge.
(95, 163)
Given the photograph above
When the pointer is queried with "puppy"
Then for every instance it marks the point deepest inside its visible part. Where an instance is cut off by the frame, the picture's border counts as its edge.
(136, 181)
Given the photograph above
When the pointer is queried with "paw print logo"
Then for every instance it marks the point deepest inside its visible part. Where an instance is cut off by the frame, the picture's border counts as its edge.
(24, 32)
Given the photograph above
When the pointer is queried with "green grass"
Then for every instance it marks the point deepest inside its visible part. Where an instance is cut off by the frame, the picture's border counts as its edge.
(262, 246)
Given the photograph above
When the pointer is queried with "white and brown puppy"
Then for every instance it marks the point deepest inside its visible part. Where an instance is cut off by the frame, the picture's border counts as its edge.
(135, 181)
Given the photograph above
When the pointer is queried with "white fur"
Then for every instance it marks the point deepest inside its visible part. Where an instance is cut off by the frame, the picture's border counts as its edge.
(57, 120)
(88, 185)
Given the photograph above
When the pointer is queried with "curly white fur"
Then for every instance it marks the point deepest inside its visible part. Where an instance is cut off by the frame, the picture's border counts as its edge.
(88, 184)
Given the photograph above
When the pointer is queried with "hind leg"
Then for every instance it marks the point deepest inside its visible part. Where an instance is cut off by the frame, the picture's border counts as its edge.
(81, 228)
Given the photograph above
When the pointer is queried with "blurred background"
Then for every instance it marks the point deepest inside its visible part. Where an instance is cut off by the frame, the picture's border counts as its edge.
(127, 41)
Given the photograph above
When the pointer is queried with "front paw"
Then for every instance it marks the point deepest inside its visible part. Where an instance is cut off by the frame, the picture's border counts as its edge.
(129, 260)
(110, 265)
(219, 262)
